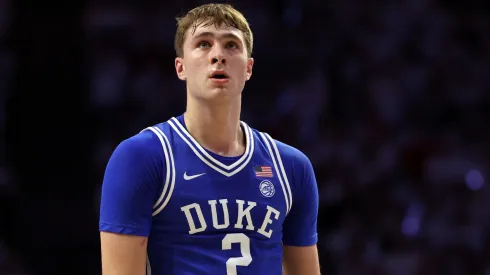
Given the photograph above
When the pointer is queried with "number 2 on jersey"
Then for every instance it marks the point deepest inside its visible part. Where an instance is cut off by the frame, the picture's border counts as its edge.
(246, 257)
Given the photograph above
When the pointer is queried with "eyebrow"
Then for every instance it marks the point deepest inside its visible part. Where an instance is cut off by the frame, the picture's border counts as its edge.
(210, 34)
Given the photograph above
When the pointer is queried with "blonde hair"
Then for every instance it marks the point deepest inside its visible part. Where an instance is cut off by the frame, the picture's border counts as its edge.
(212, 14)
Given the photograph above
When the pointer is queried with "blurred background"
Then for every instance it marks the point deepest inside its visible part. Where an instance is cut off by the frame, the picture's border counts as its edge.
(389, 99)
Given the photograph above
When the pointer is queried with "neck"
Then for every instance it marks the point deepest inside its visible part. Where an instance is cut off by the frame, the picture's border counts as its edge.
(216, 127)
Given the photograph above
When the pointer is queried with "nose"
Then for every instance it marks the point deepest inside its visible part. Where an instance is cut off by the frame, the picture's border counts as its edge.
(218, 59)
(217, 55)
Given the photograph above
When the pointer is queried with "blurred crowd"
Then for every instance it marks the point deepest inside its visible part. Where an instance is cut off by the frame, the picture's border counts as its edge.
(389, 99)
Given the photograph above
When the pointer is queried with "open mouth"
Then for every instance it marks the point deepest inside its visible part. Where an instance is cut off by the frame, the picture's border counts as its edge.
(219, 76)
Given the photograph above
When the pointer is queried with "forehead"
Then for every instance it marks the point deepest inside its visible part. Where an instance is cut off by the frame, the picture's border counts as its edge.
(213, 30)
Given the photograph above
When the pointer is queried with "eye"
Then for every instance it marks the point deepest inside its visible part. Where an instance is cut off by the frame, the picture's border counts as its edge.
(203, 44)
(232, 45)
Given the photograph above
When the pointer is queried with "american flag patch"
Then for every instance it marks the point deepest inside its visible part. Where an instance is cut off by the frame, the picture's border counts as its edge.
(263, 171)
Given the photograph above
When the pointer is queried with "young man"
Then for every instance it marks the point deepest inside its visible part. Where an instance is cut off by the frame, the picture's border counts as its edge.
(203, 193)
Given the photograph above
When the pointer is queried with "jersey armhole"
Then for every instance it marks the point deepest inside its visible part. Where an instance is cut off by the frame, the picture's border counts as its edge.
(279, 169)
(169, 168)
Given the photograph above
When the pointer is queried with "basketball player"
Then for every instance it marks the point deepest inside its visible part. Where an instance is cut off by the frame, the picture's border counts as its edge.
(204, 193)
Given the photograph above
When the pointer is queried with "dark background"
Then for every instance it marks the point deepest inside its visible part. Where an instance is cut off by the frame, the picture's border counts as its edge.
(389, 99)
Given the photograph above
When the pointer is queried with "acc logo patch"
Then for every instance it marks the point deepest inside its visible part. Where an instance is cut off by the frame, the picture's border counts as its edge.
(267, 188)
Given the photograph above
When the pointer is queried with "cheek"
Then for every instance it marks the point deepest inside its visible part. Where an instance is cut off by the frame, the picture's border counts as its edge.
(242, 71)
(195, 63)
(195, 73)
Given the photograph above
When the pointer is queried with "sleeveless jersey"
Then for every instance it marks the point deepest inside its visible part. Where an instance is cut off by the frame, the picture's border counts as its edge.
(208, 214)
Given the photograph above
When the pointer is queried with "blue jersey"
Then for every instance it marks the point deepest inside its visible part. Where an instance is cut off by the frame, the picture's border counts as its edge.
(208, 214)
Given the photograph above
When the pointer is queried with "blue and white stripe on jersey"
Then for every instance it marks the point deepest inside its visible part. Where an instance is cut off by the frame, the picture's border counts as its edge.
(170, 171)
(204, 156)
(279, 167)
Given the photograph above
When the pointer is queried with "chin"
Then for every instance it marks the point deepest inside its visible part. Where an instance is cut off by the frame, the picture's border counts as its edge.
(218, 94)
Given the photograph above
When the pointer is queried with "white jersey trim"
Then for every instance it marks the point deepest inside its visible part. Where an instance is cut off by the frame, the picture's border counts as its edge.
(279, 168)
(204, 156)
(148, 266)
(169, 171)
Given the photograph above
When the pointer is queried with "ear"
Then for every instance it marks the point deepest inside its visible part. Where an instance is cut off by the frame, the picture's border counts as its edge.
(250, 64)
(180, 68)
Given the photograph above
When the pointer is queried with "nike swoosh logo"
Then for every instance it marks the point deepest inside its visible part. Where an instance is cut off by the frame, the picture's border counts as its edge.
(187, 177)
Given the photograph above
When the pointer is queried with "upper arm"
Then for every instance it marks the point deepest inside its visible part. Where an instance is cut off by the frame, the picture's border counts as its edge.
(131, 184)
(300, 226)
(299, 260)
(123, 254)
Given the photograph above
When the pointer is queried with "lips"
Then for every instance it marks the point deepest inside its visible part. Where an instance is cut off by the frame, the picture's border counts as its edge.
(219, 74)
